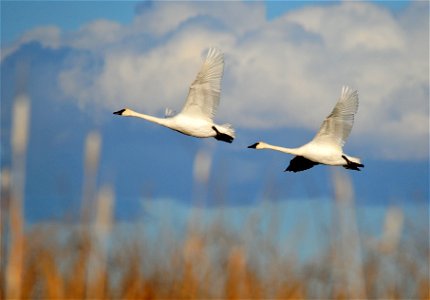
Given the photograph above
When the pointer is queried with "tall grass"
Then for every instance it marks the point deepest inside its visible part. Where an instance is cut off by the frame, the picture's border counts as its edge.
(91, 260)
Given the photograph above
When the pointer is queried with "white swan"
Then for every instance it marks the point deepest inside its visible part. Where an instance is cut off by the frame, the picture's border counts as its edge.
(196, 117)
(326, 146)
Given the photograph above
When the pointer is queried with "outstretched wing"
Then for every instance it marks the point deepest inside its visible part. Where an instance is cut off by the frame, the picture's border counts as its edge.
(203, 96)
(337, 126)
(299, 163)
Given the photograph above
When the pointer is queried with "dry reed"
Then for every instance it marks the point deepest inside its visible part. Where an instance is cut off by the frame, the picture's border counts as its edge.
(89, 261)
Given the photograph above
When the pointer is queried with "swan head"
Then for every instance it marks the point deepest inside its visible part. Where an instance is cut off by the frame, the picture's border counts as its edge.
(258, 145)
(124, 112)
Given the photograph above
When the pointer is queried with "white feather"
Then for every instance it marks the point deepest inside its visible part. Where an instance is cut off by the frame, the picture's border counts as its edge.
(337, 126)
(168, 112)
(204, 94)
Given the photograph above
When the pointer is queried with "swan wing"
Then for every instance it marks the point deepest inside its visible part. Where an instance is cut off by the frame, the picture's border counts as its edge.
(337, 126)
(203, 96)
(300, 163)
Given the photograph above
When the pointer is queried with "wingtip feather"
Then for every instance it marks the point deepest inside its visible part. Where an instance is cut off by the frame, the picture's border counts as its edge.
(214, 53)
(348, 92)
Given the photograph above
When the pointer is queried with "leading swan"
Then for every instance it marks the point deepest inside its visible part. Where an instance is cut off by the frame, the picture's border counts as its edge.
(196, 117)
(326, 146)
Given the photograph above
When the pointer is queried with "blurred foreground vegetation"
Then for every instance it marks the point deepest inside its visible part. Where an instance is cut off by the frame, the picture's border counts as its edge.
(91, 259)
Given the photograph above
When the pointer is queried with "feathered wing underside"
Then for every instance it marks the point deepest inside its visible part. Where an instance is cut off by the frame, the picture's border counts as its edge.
(337, 126)
(299, 163)
(203, 96)
(168, 113)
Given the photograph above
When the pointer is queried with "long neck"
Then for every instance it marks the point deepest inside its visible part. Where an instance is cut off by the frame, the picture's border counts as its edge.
(294, 151)
(161, 121)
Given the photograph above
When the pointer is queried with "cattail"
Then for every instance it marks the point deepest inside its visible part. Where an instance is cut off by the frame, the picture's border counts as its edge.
(4, 209)
(97, 261)
(235, 273)
(21, 115)
(348, 263)
(201, 172)
(392, 230)
(92, 156)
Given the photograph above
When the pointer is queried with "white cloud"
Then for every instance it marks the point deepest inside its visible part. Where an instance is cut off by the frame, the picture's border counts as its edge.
(352, 26)
(284, 72)
(238, 17)
(47, 36)
(95, 35)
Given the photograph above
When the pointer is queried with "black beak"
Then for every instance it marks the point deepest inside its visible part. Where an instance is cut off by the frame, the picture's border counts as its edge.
(253, 146)
(119, 112)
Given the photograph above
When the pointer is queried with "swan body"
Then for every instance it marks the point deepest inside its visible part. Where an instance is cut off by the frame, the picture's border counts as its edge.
(196, 117)
(326, 146)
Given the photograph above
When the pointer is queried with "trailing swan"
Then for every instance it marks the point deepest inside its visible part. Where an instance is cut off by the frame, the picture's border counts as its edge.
(326, 146)
(196, 117)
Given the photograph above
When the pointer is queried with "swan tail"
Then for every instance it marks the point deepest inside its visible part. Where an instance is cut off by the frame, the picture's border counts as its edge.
(228, 129)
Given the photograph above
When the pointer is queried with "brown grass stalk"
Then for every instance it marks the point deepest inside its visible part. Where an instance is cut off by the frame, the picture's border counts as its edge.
(14, 270)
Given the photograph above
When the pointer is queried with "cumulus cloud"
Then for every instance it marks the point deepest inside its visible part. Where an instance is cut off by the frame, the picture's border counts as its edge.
(158, 18)
(286, 72)
(352, 26)
(47, 36)
(95, 35)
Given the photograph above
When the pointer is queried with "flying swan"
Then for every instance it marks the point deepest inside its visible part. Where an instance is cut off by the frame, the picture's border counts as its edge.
(326, 146)
(196, 117)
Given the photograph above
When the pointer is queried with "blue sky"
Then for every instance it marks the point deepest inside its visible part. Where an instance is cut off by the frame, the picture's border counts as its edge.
(284, 72)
